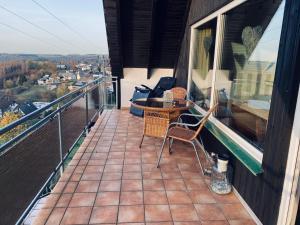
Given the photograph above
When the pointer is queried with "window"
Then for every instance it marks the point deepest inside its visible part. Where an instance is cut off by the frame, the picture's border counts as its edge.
(242, 79)
(202, 64)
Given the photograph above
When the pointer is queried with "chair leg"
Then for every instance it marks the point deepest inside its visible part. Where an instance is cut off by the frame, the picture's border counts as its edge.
(161, 151)
(197, 155)
(171, 140)
(142, 141)
(201, 145)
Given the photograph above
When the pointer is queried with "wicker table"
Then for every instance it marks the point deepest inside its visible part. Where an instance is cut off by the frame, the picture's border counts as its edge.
(158, 114)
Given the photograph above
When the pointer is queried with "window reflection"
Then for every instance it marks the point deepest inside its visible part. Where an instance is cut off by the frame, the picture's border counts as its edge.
(245, 75)
(202, 64)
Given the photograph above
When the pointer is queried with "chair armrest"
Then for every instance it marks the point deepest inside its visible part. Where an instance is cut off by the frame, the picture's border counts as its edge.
(189, 114)
(142, 90)
(146, 87)
(183, 124)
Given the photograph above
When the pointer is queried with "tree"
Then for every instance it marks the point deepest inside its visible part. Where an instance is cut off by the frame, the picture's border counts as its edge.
(21, 80)
(61, 90)
(8, 84)
(8, 118)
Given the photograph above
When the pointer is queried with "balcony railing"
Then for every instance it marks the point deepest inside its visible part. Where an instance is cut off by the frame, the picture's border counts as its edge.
(33, 160)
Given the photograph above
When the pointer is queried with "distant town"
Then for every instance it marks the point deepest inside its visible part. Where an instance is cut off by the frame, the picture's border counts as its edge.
(29, 82)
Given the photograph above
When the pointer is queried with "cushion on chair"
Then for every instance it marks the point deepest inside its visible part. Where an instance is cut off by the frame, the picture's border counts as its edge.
(181, 133)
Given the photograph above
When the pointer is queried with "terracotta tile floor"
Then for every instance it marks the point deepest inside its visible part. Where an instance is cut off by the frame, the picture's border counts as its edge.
(112, 181)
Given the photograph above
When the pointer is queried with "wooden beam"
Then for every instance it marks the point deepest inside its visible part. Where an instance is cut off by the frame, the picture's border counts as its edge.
(182, 32)
(152, 34)
(113, 29)
(119, 34)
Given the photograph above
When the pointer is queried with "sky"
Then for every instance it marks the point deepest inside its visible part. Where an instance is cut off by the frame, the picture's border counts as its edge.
(267, 47)
(83, 33)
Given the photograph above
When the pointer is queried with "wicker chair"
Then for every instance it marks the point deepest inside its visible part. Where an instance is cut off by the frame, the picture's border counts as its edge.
(178, 93)
(181, 132)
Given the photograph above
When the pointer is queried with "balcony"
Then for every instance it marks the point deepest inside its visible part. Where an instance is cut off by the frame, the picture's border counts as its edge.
(110, 180)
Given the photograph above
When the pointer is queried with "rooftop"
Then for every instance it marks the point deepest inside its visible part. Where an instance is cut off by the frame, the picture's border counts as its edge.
(110, 180)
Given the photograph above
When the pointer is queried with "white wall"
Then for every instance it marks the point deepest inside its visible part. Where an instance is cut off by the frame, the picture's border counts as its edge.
(137, 76)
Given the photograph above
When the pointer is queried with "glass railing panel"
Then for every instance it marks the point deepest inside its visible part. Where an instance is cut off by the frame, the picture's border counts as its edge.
(25, 168)
(93, 103)
(73, 123)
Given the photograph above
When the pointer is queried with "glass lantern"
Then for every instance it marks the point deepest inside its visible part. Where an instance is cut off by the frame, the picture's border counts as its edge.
(219, 182)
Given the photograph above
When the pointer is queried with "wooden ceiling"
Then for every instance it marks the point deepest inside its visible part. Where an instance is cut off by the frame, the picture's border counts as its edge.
(144, 33)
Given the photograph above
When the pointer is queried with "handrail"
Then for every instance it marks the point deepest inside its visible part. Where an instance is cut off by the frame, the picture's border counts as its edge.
(43, 109)
(77, 94)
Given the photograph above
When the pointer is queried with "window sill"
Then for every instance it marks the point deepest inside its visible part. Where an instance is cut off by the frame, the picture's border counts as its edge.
(239, 152)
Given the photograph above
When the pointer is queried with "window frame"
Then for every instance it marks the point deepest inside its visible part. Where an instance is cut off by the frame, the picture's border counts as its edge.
(219, 14)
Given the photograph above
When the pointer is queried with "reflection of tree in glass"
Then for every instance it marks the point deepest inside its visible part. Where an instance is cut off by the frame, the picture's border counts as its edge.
(8, 118)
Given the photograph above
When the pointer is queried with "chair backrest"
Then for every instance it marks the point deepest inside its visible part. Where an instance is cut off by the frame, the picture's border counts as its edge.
(165, 83)
(179, 92)
(204, 120)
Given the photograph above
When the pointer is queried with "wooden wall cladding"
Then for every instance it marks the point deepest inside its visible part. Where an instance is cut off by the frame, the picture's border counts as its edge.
(262, 193)
(144, 33)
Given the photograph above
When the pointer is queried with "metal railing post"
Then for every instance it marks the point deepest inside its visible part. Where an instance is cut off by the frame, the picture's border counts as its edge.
(86, 111)
(117, 93)
(105, 91)
(60, 138)
(99, 99)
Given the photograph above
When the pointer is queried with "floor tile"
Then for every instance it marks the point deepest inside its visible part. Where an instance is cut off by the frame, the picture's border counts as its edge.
(64, 200)
(195, 184)
(59, 187)
(148, 167)
(215, 222)
(42, 216)
(132, 176)
(171, 175)
(114, 162)
(175, 184)
(178, 197)
(51, 201)
(76, 177)
(159, 223)
(203, 196)
(94, 169)
(156, 213)
(153, 185)
(56, 216)
(209, 212)
(241, 222)
(132, 185)
(70, 187)
(107, 198)
(155, 197)
(112, 176)
(132, 168)
(234, 211)
(80, 215)
(111, 185)
(87, 186)
(152, 175)
(187, 223)
(131, 214)
(229, 198)
(113, 169)
(91, 176)
(183, 213)
(82, 199)
(131, 198)
(104, 214)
